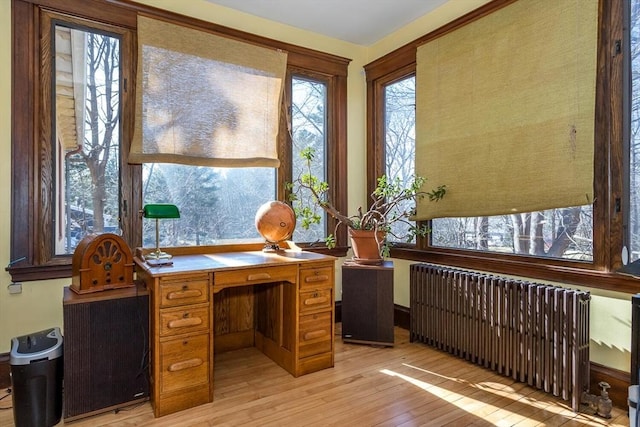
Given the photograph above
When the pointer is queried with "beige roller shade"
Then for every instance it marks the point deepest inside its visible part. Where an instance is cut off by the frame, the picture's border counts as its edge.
(506, 109)
(206, 100)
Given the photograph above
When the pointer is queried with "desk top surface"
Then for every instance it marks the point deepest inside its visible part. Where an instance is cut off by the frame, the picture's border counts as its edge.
(231, 261)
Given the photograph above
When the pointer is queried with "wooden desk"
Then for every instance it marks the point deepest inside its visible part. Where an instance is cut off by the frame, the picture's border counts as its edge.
(283, 303)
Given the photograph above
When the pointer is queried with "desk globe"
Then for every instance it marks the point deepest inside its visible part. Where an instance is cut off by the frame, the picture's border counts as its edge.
(275, 221)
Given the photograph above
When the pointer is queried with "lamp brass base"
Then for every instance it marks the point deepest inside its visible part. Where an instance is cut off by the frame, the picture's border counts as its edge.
(158, 254)
(159, 262)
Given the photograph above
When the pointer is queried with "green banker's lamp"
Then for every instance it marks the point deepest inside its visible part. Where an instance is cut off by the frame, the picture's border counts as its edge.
(159, 211)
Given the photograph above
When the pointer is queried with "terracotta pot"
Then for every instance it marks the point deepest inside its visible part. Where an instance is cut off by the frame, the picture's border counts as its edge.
(366, 249)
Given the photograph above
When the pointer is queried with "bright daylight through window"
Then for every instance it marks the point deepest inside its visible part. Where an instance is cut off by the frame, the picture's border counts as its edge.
(558, 233)
(209, 198)
(217, 205)
(400, 141)
(308, 130)
(87, 103)
(634, 145)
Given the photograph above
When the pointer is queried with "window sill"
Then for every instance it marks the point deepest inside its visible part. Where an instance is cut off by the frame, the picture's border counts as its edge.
(552, 270)
(62, 268)
(41, 272)
(337, 252)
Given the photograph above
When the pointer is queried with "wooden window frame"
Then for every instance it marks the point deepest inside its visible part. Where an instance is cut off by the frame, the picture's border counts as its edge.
(335, 153)
(608, 168)
(31, 254)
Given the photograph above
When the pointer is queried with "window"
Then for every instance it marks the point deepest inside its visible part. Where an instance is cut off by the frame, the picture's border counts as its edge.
(580, 245)
(217, 205)
(400, 140)
(559, 233)
(556, 233)
(208, 198)
(308, 130)
(55, 200)
(68, 139)
(634, 132)
(87, 135)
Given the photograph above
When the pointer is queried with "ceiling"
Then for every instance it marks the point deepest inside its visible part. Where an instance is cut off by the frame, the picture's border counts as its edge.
(362, 22)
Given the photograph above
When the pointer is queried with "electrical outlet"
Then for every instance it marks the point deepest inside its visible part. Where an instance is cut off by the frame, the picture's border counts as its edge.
(15, 288)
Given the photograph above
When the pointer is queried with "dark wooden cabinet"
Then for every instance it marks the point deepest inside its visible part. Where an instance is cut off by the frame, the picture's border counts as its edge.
(367, 303)
(105, 350)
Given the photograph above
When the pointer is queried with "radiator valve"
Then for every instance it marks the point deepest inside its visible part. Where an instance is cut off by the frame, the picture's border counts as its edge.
(601, 404)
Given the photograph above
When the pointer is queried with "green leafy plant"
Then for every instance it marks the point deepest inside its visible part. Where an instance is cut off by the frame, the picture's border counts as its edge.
(386, 208)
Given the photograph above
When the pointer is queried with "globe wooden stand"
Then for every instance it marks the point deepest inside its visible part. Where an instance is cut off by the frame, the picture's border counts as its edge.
(275, 221)
(272, 247)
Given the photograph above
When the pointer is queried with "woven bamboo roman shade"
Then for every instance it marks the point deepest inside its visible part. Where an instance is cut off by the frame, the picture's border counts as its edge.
(203, 99)
(506, 110)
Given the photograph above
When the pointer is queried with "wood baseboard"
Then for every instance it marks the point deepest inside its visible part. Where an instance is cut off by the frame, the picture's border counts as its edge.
(401, 317)
(5, 371)
(618, 380)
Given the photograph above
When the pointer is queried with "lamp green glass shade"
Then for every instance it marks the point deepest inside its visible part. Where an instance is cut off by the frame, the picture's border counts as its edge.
(159, 211)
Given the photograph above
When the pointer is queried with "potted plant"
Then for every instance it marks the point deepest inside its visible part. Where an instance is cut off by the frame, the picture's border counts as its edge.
(389, 205)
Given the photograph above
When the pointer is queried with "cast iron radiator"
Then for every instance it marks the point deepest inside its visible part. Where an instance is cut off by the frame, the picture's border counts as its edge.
(532, 332)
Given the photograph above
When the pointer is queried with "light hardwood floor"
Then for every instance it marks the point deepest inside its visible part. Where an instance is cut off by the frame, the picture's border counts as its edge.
(407, 385)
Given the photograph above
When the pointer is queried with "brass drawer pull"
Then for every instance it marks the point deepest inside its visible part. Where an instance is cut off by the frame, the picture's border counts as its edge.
(185, 364)
(316, 278)
(259, 276)
(315, 301)
(186, 322)
(187, 293)
(315, 334)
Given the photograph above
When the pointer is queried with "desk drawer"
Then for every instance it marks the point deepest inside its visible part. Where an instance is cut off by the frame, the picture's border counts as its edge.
(189, 290)
(315, 334)
(255, 275)
(181, 320)
(314, 300)
(316, 278)
(185, 363)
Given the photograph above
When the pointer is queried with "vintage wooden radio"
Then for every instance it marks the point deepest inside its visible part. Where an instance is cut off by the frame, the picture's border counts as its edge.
(101, 262)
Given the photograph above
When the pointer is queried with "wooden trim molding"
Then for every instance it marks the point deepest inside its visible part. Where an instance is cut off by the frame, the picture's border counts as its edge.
(608, 220)
(523, 266)
(401, 317)
(406, 55)
(5, 371)
(31, 253)
(618, 380)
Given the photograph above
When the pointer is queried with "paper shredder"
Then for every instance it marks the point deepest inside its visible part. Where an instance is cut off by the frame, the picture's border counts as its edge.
(36, 378)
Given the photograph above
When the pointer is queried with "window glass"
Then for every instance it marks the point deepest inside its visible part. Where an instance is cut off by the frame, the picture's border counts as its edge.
(400, 143)
(556, 233)
(308, 130)
(217, 205)
(634, 152)
(87, 136)
(59, 193)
